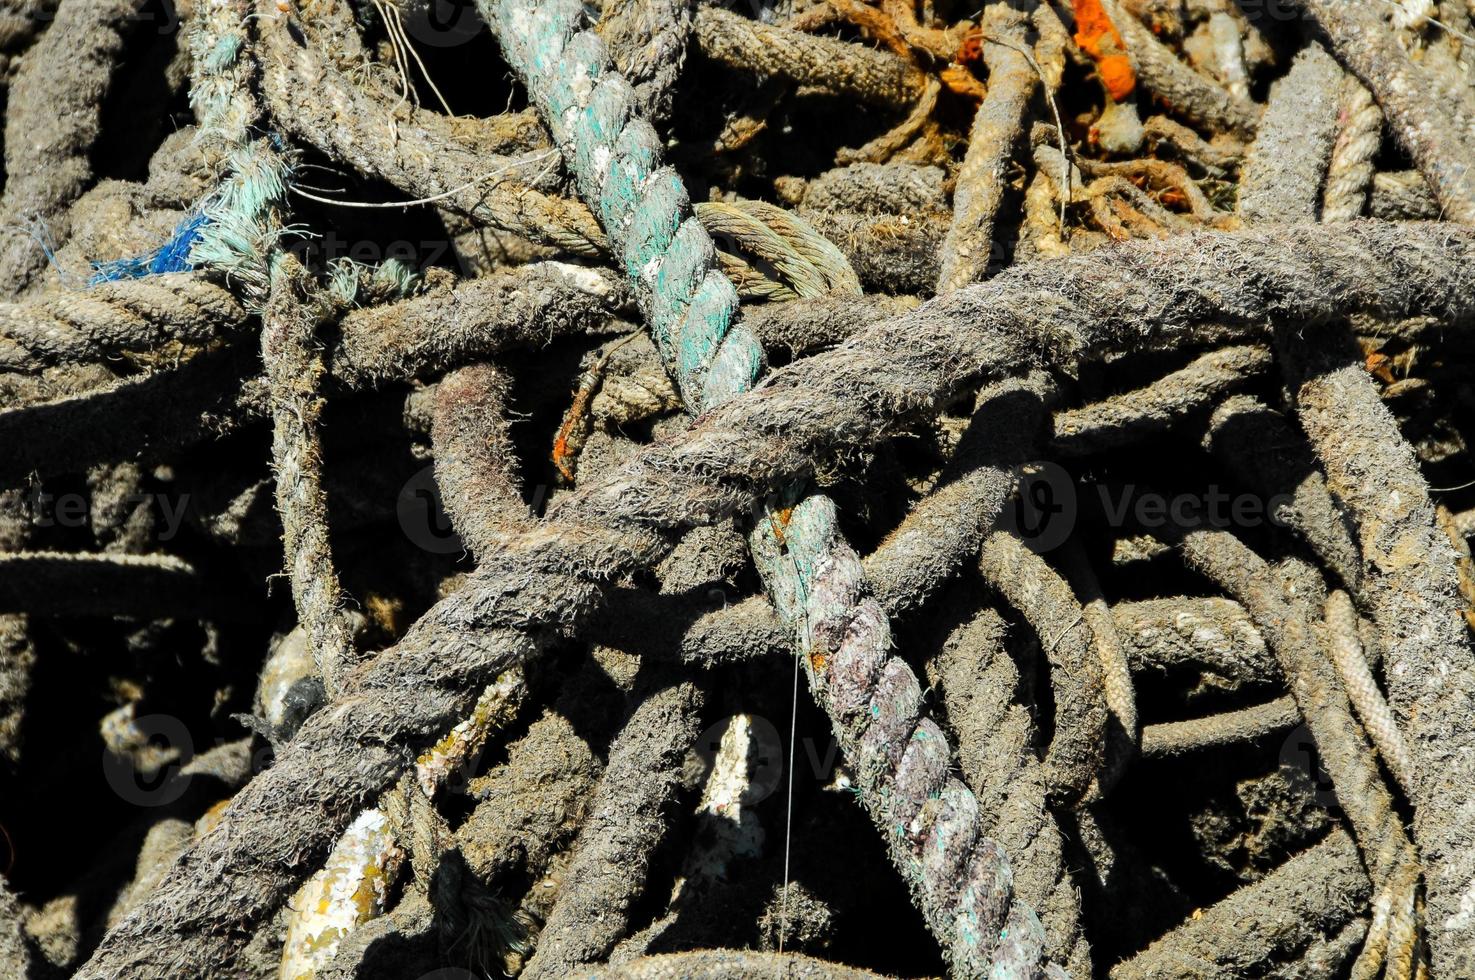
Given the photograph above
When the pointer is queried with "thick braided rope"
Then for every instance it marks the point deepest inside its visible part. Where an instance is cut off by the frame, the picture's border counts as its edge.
(901, 759)
(548, 580)
(688, 303)
(137, 315)
(1345, 647)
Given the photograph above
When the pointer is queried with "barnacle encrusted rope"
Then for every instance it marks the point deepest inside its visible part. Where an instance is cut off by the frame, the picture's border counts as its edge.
(931, 821)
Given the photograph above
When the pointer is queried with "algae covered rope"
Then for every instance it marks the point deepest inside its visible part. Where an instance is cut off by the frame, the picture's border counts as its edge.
(902, 759)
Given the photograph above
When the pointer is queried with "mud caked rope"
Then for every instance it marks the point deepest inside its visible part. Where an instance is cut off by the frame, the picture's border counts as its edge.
(816, 581)
(240, 236)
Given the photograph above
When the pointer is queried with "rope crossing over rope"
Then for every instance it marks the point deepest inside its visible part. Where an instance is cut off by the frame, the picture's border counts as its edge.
(901, 760)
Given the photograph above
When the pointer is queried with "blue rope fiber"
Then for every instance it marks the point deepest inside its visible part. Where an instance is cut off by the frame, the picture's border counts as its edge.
(172, 256)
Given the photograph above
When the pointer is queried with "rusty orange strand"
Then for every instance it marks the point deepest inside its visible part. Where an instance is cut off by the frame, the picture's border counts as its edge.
(562, 453)
(1098, 37)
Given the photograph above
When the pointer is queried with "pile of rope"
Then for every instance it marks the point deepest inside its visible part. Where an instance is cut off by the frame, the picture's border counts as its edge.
(1058, 391)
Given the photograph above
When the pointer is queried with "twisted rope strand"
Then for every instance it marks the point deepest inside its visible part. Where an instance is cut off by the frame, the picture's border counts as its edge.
(242, 239)
(1350, 174)
(1411, 591)
(1389, 855)
(1367, 698)
(1419, 118)
(133, 315)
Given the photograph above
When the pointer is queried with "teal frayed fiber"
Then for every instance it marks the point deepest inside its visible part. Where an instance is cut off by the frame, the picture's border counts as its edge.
(244, 228)
(962, 881)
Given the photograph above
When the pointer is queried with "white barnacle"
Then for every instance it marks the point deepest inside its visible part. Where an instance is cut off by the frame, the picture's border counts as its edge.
(350, 889)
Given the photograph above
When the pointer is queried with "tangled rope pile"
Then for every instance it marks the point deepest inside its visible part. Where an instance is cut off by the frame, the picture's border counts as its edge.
(527, 713)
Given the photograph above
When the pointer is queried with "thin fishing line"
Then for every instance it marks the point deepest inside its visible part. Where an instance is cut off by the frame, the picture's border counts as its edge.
(399, 25)
(783, 904)
(422, 200)
(1436, 22)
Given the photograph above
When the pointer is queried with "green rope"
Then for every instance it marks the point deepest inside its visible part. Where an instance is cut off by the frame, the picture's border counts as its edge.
(901, 759)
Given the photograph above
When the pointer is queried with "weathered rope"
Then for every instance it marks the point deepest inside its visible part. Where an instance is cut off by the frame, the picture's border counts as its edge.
(1076, 755)
(1411, 578)
(1123, 419)
(90, 415)
(1359, 137)
(15, 951)
(1390, 857)
(21, 21)
(940, 535)
(1402, 195)
(1345, 646)
(529, 306)
(237, 234)
(648, 41)
(17, 647)
(1064, 311)
(57, 92)
(1211, 635)
(1286, 164)
(1271, 456)
(1217, 158)
(628, 816)
(997, 125)
(70, 583)
(475, 465)
(1419, 118)
(294, 371)
(1314, 894)
(815, 579)
(241, 239)
(808, 265)
(1227, 728)
(1118, 691)
(134, 316)
(978, 680)
(480, 488)
(1195, 97)
(825, 63)
(688, 304)
(17, 665)
(348, 124)
(725, 964)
